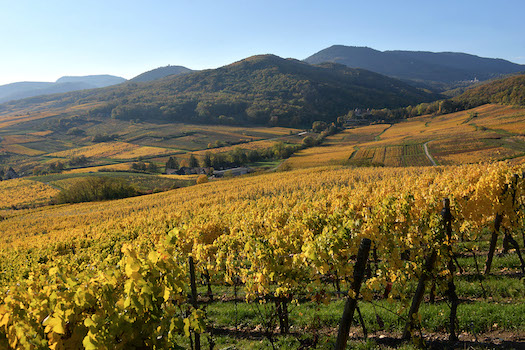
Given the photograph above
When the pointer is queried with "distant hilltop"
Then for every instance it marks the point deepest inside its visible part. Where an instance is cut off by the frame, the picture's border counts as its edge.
(17, 91)
(161, 72)
(439, 71)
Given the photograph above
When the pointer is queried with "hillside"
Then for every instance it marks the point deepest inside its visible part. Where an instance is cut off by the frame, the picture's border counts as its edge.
(264, 90)
(21, 90)
(260, 90)
(438, 70)
(161, 72)
(485, 133)
(508, 91)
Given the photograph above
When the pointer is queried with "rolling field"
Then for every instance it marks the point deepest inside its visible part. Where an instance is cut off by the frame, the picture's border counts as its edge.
(33, 138)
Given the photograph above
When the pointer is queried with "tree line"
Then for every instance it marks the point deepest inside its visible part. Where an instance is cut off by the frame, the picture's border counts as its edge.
(238, 156)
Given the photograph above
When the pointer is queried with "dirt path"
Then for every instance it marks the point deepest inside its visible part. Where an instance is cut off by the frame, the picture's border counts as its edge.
(428, 153)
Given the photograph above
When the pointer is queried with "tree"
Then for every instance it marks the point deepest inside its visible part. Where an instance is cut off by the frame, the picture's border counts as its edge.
(152, 168)
(139, 166)
(172, 163)
(218, 160)
(253, 156)
(206, 161)
(309, 141)
(319, 126)
(193, 162)
(237, 156)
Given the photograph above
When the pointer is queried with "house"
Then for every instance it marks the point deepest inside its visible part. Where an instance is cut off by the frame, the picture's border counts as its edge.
(10, 174)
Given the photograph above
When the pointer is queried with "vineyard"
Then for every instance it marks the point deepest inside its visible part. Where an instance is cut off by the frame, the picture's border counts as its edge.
(21, 193)
(489, 132)
(119, 150)
(272, 258)
(395, 156)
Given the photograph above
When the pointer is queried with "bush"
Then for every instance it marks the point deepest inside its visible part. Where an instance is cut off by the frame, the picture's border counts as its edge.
(96, 189)
(202, 179)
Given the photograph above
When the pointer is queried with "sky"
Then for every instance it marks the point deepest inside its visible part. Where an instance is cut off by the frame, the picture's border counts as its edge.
(44, 40)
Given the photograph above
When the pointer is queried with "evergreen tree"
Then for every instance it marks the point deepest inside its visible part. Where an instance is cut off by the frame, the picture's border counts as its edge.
(193, 162)
(172, 163)
(206, 161)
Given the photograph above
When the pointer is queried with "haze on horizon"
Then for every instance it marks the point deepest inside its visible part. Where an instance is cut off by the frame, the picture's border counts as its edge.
(46, 40)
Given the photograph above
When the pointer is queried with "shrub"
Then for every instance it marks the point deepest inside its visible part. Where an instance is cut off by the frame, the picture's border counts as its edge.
(202, 179)
(91, 189)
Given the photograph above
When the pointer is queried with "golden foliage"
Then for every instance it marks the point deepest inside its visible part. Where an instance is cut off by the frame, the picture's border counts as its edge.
(114, 149)
(22, 192)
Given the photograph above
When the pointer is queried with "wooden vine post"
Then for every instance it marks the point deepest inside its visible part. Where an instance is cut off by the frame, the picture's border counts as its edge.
(494, 238)
(281, 306)
(451, 288)
(194, 298)
(420, 292)
(508, 239)
(351, 301)
(493, 241)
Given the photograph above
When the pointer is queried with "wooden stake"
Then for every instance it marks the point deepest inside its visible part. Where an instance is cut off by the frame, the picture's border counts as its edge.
(194, 298)
(420, 292)
(351, 303)
(451, 288)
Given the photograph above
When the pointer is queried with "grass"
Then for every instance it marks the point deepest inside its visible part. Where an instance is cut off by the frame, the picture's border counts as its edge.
(240, 325)
(379, 315)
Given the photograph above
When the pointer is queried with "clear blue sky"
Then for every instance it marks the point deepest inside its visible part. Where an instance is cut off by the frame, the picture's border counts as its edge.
(44, 40)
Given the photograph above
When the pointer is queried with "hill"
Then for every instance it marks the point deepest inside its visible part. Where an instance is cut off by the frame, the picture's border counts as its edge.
(161, 72)
(264, 90)
(21, 90)
(508, 91)
(259, 90)
(96, 81)
(440, 71)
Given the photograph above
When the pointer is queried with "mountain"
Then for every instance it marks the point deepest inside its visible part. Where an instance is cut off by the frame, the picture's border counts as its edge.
(21, 90)
(440, 71)
(263, 89)
(161, 72)
(96, 81)
(259, 90)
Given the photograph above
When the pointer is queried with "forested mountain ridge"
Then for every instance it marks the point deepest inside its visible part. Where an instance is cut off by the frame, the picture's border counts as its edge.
(265, 89)
(438, 70)
(262, 90)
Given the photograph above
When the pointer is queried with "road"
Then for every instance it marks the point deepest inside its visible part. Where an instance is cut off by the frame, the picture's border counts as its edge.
(428, 153)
